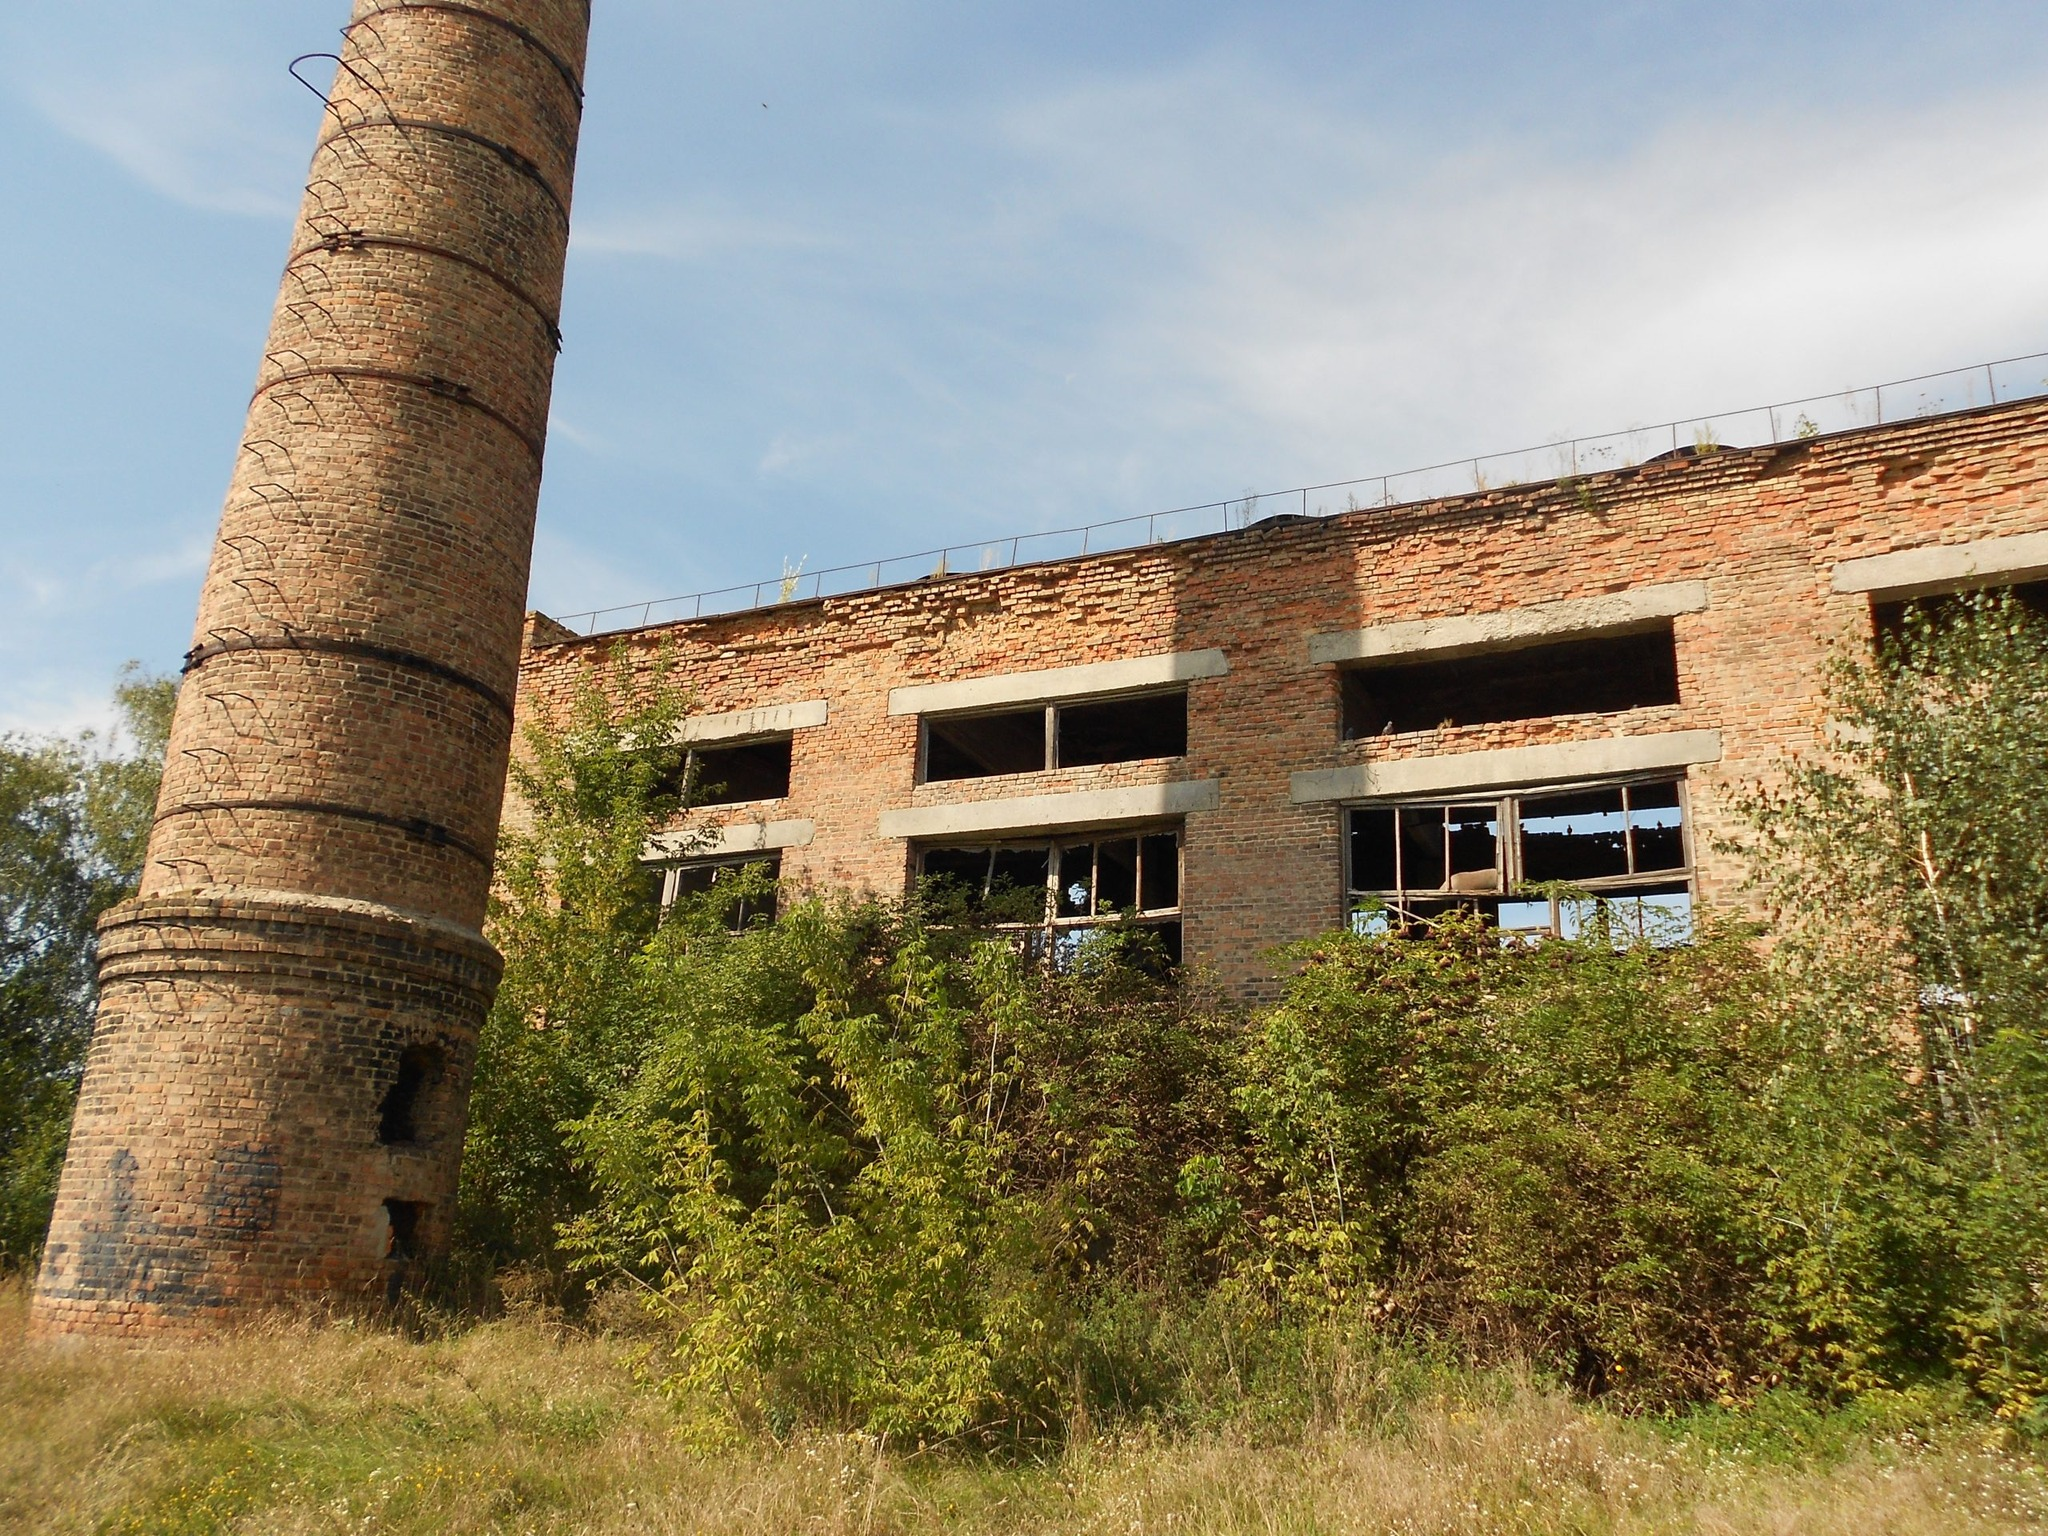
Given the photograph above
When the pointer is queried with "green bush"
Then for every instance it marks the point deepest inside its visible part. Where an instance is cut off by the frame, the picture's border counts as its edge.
(871, 1166)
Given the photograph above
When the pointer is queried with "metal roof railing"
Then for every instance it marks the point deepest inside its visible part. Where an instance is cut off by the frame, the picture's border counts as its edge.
(1930, 394)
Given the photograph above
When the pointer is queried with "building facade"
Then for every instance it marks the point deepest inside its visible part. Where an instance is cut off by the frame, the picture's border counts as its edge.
(1249, 738)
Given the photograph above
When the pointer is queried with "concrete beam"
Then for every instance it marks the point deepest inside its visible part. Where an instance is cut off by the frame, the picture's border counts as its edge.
(1507, 767)
(738, 724)
(1946, 567)
(1058, 683)
(1476, 633)
(1071, 812)
(728, 841)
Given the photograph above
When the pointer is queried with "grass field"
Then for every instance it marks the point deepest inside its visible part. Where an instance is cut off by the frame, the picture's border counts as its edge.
(524, 1425)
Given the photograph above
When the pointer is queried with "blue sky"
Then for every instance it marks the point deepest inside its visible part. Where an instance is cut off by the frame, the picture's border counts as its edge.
(975, 270)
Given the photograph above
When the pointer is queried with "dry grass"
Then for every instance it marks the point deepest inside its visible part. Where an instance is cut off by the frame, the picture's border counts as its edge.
(520, 1426)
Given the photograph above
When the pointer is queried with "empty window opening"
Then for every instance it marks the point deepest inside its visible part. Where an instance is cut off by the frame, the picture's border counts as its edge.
(1065, 889)
(1123, 730)
(1622, 845)
(977, 746)
(1888, 619)
(742, 890)
(398, 1116)
(1600, 675)
(751, 770)
(406, 1218)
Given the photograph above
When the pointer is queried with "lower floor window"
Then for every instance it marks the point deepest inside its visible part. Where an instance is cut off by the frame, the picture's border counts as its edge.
(749, 900)
(1624, 849)
(1066, 888)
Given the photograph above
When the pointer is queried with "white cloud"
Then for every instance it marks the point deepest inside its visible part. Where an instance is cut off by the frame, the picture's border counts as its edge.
(683, 233)
(1355, 314)
(187, 129)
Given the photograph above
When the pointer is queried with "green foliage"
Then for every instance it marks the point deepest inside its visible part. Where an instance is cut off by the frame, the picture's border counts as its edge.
(571, 909)
(872, 1166)
(1909, 877)
(1597, 1158)
(74, 821)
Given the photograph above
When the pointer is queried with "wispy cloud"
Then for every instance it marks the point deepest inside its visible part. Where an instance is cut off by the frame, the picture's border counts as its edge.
(683, 233)
(184, 128)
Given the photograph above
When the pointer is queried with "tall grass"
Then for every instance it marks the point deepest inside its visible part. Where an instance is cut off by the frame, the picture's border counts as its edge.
(524, 1425)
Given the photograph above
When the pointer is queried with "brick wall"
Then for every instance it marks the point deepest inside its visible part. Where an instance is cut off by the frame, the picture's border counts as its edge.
(1763, 528)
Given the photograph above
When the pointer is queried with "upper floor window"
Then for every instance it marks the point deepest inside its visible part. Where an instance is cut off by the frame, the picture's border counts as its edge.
(1626, 846)
(1060, 735)
(1600, 674)
(730, 774)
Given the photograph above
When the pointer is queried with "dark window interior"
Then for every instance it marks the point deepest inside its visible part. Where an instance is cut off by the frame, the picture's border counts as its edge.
(405, 1218)
(1591, 676)
(419, 1067)
(1110, 731)
(753, 770)
(1123, 730)
(1889, 619)
(741, 911)
(975, 746)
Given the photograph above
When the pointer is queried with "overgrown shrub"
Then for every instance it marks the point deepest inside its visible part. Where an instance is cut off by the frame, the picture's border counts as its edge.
(871, 1166)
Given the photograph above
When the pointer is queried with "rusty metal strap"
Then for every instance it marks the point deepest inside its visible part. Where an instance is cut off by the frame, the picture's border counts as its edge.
(200, 655)
(416, 827)
(504, 152)
(448, 389)
(353, 239)
(561, 65)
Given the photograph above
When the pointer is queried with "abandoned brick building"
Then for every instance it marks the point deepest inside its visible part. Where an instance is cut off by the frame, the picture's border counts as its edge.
(1259, 735)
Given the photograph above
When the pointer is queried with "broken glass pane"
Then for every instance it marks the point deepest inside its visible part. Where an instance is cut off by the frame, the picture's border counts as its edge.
(1422, 847)
(964, 867)
(1372, 851)
(1574, 837)
(1475, 848)
(1656, 826)
(1116, 875)
(1018, 876)
(1162, 873)
(1077, 880)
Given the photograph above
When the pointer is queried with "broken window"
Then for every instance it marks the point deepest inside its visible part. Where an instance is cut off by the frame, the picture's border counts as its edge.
(1598, 675)
(1122, 730)
(1067, 888)
(398, 1115)
(975, 746)
(1622, 845)
(1888, 618)
(747, 770)
(744, 888)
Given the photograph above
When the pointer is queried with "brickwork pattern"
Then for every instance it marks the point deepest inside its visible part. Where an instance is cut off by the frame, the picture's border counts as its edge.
(1762, 527)
(319, 867)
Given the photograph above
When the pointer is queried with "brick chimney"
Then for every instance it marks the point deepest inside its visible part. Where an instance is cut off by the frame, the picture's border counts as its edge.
(274, 1103)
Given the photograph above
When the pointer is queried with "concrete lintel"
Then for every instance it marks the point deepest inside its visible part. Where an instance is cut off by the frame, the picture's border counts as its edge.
(1946, 567)
(729, 841)
(1463, 772)
(1058, 683)
(1476, 633)
(738, 724)
(1051, 813)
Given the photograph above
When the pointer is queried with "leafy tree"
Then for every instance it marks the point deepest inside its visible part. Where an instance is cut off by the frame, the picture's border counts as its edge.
(74, 823)
(571, 909)
(1908, 875)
